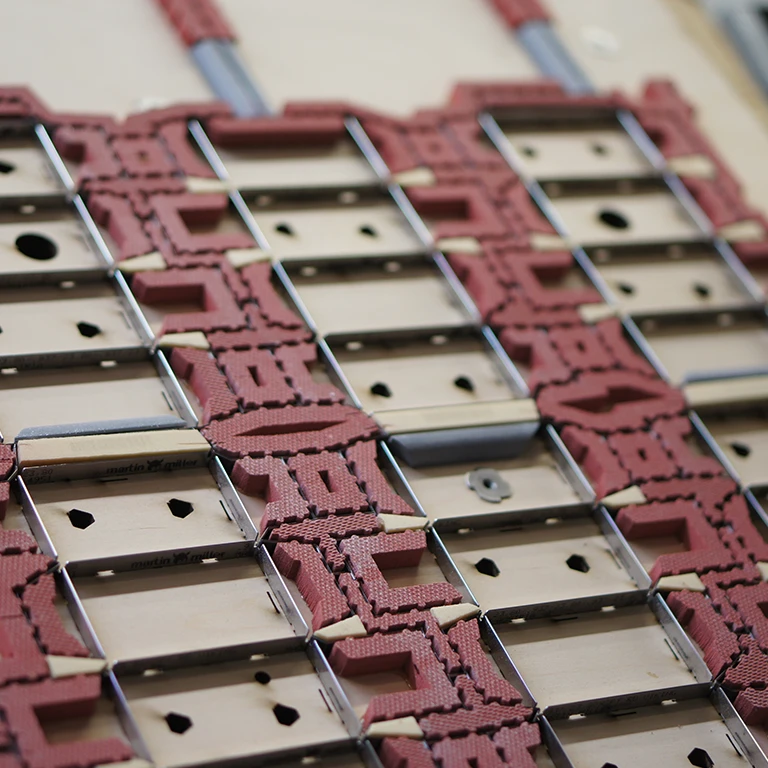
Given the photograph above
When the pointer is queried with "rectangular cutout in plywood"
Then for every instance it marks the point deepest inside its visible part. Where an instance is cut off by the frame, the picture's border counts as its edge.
(184, 614)
(599, 660)
(70, 325)
(378, 297)
(46, 246)
(227, 715)
(343, 228)
(539, 568)
(138, 521)
(26, 174)
(674, 279)
(655, 737)
(92, 395)
(338, 166)
(547, 152)
(712, 346)
(534, 479)
(618, 218)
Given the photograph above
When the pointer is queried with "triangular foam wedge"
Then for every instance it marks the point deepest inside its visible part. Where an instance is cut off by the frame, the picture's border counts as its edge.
(630, 495)
(397, 523)
(149, 262)
(415, 177)
(689, 581)
(406, 727)
(194, 339)
(242, 257)
(351, 627)
(69, 666)
(446, 615)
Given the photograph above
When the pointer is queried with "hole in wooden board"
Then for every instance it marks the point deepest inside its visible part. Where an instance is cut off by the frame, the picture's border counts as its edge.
(80, 519)
(741, 449)
(528, 151)
(700, 758)
(626, 288)
(465, 383)
(702, 289)
(600, 149)
(368, 231)
(180, 508)
(381, 389)
(89, 330)
(613, 219)
(487, 567)
(578, 563)
(284, 229)
(6, 167)
(178, 723)
(37, 247)
(285, 715)
(262, 677)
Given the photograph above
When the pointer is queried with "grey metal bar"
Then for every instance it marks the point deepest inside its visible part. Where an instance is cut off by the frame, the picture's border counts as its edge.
(173, 388)
(746, 742)
(240, 74)
(220, 65)
(568, 466)
(680, 639)
(54, 158)
(232, 500)
(546, 50)
(127, 720)
(750, 37)
(622, 549)
(334, 690)
(80, 617)
(282, 593)
(107, 427)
